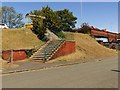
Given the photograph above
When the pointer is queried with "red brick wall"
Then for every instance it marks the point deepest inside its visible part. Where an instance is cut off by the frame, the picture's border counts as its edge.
(67, 48)
(17, 55)
(6, 54)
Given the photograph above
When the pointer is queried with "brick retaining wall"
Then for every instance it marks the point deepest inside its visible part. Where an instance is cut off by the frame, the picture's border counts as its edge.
(67, 48)
(17, 55)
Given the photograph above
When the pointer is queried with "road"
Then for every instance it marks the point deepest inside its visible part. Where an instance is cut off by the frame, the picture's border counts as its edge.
(98, 74)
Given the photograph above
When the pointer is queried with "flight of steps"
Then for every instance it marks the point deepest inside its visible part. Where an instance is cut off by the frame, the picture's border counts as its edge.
(48, 50)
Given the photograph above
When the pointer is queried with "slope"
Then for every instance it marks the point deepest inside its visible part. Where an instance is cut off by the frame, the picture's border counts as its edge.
(86, 48)
(19, 39)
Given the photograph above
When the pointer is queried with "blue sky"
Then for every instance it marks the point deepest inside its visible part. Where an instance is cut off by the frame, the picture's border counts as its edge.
(99, 14)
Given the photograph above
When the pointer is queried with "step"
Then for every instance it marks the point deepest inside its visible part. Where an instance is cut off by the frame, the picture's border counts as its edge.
(35, 58)
(38, 58)
(41, 56)
(47, 50)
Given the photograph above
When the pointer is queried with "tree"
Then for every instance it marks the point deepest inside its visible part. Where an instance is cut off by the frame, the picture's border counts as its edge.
(84, 24)
(40, 25)
(11, 17)
(85, 28)
(68, 20)
(55, 21)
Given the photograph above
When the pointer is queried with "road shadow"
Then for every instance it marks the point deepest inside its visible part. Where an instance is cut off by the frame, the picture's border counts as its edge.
(115, 70)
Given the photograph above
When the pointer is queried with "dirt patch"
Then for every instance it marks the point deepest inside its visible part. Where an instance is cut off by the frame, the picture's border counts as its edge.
(87, 48)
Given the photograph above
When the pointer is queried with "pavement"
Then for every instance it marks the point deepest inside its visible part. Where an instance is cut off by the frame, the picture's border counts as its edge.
(32, 65)
(97, 74)
(29, 65)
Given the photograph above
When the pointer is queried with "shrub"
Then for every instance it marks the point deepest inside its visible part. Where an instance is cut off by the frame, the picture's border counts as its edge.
(30, 52)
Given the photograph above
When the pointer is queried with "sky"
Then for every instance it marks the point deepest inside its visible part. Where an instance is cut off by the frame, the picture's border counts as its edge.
(103, 15)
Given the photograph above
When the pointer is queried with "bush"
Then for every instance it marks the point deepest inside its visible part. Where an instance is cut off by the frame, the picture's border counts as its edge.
(85, 30)
(59, 34)
(30, 52)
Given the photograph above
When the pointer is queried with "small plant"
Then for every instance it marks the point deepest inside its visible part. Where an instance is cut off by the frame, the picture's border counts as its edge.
(60, 34)
(85, 30)
(30, 52)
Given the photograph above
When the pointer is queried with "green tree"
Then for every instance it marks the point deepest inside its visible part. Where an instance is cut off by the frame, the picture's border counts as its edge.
(84, 24)
(85, 28)
(68, 20)
(11, 17)
(40, 25)
(55, 21)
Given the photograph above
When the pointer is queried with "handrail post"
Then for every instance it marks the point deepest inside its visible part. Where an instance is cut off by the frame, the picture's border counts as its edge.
(45, 56)
(11, 61)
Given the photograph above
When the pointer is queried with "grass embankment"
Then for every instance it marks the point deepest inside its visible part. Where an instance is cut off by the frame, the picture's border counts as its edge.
(86, 49)
(19, 39)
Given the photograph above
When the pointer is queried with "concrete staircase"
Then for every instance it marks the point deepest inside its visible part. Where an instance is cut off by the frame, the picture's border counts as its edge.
(48, 50)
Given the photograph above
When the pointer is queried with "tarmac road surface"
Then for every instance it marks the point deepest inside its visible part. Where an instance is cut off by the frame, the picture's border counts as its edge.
(98, 74)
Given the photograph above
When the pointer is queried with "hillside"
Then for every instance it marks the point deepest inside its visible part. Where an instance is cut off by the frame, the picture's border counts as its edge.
(0, 39)
(19, 39)
(87, 48)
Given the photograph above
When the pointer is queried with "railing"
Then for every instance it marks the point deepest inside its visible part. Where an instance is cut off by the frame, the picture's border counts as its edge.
(47, 51)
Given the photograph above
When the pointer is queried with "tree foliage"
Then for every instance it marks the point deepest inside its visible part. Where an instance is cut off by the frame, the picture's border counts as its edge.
(84, 24)
(68, 21)
(56, 21)
(10, 17)
(85, 28)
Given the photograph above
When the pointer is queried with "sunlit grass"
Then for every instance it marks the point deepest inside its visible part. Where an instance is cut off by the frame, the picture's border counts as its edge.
(86, 48)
